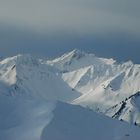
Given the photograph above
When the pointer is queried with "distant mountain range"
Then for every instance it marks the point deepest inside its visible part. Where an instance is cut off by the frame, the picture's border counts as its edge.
(77, 96)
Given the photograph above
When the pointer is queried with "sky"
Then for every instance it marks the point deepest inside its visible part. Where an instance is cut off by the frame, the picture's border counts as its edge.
(48, 28)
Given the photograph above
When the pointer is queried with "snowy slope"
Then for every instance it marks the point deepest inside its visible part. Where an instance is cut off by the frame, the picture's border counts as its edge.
(33, 119)
(76, 123)
(102, 82)
(22, 119)
(35, 97)
(77, 59)
(25, 76)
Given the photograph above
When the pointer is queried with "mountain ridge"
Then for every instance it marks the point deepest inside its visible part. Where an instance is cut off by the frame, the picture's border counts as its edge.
(102, 82)
(72, 97)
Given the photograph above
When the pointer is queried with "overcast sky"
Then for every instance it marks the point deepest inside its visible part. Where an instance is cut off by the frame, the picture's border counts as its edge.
(108, 28)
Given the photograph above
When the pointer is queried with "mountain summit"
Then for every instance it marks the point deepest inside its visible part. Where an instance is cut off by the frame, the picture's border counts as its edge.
(106, 86)
(24, 75)
(77, 59)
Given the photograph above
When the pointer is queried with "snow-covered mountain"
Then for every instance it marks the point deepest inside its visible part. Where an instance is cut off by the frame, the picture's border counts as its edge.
(40, 99)
(25, 76)
(77, 59)
(106, 86)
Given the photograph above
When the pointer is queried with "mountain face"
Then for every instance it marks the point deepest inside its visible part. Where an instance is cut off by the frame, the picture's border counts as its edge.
(25, 76)
(105, 86)
(69, 98)
(77, 59)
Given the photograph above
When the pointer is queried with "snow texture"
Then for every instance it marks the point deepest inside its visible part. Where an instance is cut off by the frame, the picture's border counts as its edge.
(77, 96)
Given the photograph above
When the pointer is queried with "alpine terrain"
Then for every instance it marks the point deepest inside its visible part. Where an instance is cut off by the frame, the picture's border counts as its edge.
(77, 96)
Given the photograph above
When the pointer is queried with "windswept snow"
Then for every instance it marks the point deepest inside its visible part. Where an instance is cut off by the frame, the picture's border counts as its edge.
(102, 82)
(75, 123)
(25, 76)
(40, 99)
(22, 119)
(77, 59)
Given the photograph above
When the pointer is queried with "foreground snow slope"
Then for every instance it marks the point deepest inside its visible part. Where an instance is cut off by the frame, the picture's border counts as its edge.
(23, 119)
(76, 123)
(104, 84)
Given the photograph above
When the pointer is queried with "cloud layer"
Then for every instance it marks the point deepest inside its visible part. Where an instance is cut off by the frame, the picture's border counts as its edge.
(108, 28)
(79, 16)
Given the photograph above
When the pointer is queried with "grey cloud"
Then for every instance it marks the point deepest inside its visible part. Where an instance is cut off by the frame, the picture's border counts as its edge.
(119, 46)
(108, 28)
(74, 15)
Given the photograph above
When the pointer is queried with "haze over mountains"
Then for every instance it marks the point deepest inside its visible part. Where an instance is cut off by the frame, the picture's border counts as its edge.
(39, 99)
(18, 39)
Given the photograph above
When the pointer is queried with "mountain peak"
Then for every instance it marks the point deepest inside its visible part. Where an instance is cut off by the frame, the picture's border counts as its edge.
(12, 66)
(27, 59)
(20, 59)
(77, 51)
(67, 57)
(78, 59)
(77, 54)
